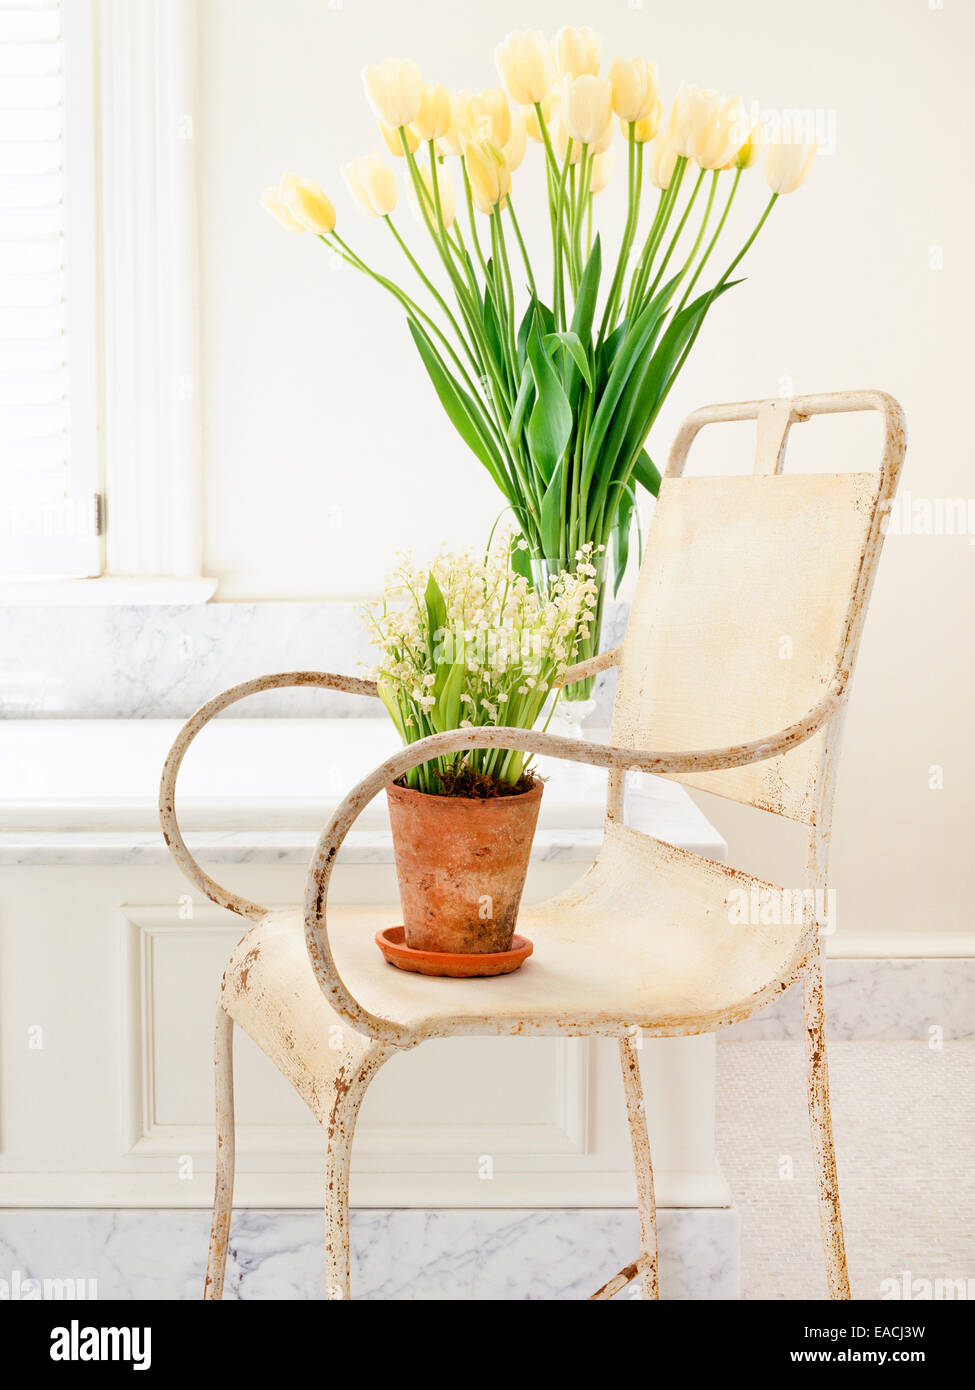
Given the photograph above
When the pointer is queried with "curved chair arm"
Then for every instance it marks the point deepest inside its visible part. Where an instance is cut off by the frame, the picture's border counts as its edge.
(583, 669)
(186, 735)
(528, 741)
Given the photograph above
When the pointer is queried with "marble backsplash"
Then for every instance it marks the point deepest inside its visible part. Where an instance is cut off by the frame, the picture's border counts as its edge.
(156, 662)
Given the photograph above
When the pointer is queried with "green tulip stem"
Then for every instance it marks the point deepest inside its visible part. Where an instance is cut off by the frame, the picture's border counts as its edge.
(432, 289)
(411, 307)
(634, 179)
(720, 285)
(677, 235)
(655, 236)
(559, 280)
(470, 214)
(714, 240)
(702, 229)
(509, 286)
(521, 244)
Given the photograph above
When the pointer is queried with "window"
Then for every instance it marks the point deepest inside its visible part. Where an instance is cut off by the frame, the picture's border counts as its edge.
(49, 463)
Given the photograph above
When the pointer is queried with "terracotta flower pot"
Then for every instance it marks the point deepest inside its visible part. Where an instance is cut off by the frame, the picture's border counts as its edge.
(461, 865)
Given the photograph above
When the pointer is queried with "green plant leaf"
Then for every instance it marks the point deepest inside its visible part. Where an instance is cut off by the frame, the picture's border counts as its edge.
(621, 535)
(644, 391)
(462, 410)
(526, 394)
(436, 606)
(572, 343)
(550, 423)
(585, 306)
(445, 714)
(649, 385)
(631, 353)
(646, 472)
(388, 697)
(492, 326)
(551, 514)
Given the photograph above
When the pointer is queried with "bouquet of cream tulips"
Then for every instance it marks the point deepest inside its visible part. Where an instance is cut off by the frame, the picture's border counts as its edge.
(554, 374)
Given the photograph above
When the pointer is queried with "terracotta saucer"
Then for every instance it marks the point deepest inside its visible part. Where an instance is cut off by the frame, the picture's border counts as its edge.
(392, 943)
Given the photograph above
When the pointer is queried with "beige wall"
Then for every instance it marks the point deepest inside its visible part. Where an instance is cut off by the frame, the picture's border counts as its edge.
(326, 450)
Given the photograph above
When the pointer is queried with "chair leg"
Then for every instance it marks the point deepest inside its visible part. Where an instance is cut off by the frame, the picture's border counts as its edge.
(646, 1206)
(821, 1125)
(350, 1087)
(223, 1196)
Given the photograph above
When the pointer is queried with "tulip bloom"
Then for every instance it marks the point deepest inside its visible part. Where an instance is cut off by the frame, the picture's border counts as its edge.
(372, 185)
(524, 66)
(516, 144)
(307, 204)
(602, 170)
(488, 172)
(272, 202)
(660, 165)
(490, 116)
(576, 52)
(749, 151)
(635, 91)
(647, 128)
(394, 144)
(587, 108)
(787, 165)
(706, 126)
(445, 189)
(433, 118)
(453, 138)
(395, 91)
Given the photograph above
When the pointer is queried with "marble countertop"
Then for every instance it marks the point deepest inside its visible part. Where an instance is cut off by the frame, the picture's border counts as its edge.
(260, 790)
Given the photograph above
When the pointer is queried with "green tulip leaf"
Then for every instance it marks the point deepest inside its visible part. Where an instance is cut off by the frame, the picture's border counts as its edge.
(550, 423)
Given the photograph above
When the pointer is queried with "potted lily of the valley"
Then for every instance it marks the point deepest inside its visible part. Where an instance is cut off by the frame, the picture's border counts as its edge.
(554, 368)
(470, 644)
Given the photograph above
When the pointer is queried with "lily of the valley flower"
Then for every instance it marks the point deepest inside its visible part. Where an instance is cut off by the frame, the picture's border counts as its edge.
(372, 185)
(488, 172)
(395, 91)
(635, 92)
(587, 108)
(524, 66)
(787, 165)
(577, 52)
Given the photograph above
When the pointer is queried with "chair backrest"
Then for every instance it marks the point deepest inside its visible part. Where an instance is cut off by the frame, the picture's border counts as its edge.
(751, 599)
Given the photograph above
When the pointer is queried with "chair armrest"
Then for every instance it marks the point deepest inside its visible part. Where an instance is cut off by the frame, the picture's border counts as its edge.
(528, 741)
(592, 667)
(186, 735)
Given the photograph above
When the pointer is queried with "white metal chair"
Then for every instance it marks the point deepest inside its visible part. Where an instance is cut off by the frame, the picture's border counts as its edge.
(645, 940)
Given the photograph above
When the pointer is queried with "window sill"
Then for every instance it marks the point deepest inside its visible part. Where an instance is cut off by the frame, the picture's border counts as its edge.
(106, 590)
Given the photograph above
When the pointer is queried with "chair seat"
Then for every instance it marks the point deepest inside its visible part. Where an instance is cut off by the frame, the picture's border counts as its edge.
(649, 937)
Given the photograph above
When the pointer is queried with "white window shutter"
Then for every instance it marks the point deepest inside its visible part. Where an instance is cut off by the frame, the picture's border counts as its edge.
(49, 467)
